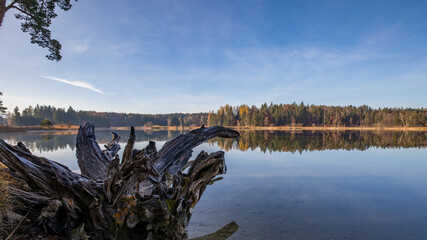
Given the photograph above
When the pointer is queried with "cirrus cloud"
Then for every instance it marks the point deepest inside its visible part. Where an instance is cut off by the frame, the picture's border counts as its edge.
(75, 83)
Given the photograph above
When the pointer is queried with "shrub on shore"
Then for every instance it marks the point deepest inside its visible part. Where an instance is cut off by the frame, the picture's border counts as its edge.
(5, 202)
(9, 221)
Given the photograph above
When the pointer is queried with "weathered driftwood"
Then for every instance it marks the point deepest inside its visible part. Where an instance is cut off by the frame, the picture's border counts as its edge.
(149, 194)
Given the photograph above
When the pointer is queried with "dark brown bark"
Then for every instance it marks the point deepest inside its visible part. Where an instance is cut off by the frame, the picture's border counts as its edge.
(2, 10)
(147, 195)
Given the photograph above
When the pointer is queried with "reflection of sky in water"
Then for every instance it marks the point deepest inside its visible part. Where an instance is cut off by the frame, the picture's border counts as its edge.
(375, 194)
(67, 156)
(332, 194)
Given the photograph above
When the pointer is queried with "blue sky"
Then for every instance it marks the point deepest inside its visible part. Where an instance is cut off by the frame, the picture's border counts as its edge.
(194, 56)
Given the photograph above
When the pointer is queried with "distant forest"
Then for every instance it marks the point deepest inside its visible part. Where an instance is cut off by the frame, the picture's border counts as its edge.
(266, 115)
(34, 116)
(317, 115)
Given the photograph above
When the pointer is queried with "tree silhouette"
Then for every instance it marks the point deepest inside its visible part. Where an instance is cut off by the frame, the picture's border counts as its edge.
(36, 17)
(2, 109)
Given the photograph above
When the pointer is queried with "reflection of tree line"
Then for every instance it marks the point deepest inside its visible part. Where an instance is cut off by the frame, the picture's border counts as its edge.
(294, 141)
(286, 141)
(44, 142)
(53, 141)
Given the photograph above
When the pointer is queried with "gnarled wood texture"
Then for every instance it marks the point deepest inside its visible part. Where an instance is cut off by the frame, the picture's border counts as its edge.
(149, 194)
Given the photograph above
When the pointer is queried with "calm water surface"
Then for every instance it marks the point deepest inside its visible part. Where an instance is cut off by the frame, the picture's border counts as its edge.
(297, 185)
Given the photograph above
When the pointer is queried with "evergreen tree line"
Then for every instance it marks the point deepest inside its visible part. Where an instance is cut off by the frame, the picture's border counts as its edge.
(35, 116)
(317, 115)
(243, 115)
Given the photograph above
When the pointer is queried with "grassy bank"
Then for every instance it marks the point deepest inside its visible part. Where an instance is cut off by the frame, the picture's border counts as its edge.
(10, 222)
(4, 128)
(291, 128)
(284, 128)
(179, 128)
(5, 203)
(157, 128)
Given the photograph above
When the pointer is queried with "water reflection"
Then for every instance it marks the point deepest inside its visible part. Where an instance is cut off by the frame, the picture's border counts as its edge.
(379, 192)
(221, 234)
(372, 194)
(299, 141)
(60, 145)
(55, 140)
(266, 141)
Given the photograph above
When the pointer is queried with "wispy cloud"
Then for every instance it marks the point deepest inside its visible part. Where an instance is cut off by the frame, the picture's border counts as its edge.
(75, 83)
(82, 47)
(126, 48)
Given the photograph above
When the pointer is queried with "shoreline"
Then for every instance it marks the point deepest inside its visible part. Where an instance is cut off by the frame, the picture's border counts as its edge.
(307, 128)
(185, 128)
(285, 128)
(39, 128)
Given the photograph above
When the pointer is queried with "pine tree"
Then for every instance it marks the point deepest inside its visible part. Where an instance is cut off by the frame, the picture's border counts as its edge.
(2, 109)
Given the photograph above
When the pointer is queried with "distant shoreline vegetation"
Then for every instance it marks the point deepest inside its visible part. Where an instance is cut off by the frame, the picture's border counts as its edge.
(72, 129)
(273, 116)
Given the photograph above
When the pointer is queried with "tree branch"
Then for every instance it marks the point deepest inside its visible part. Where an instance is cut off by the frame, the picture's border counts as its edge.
(23, 11)
(10, 5)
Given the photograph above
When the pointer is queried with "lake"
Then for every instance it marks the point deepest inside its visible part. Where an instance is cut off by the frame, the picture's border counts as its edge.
(296, 185)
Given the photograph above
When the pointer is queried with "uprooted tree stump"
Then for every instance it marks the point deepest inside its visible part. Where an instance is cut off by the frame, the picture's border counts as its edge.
(149, 194)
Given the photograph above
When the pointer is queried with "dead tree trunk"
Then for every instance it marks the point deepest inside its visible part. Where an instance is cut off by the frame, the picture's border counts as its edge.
(149, 194)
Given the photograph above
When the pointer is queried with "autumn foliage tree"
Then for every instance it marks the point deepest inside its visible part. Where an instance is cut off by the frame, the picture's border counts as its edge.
(266, 115)
(317, 115)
